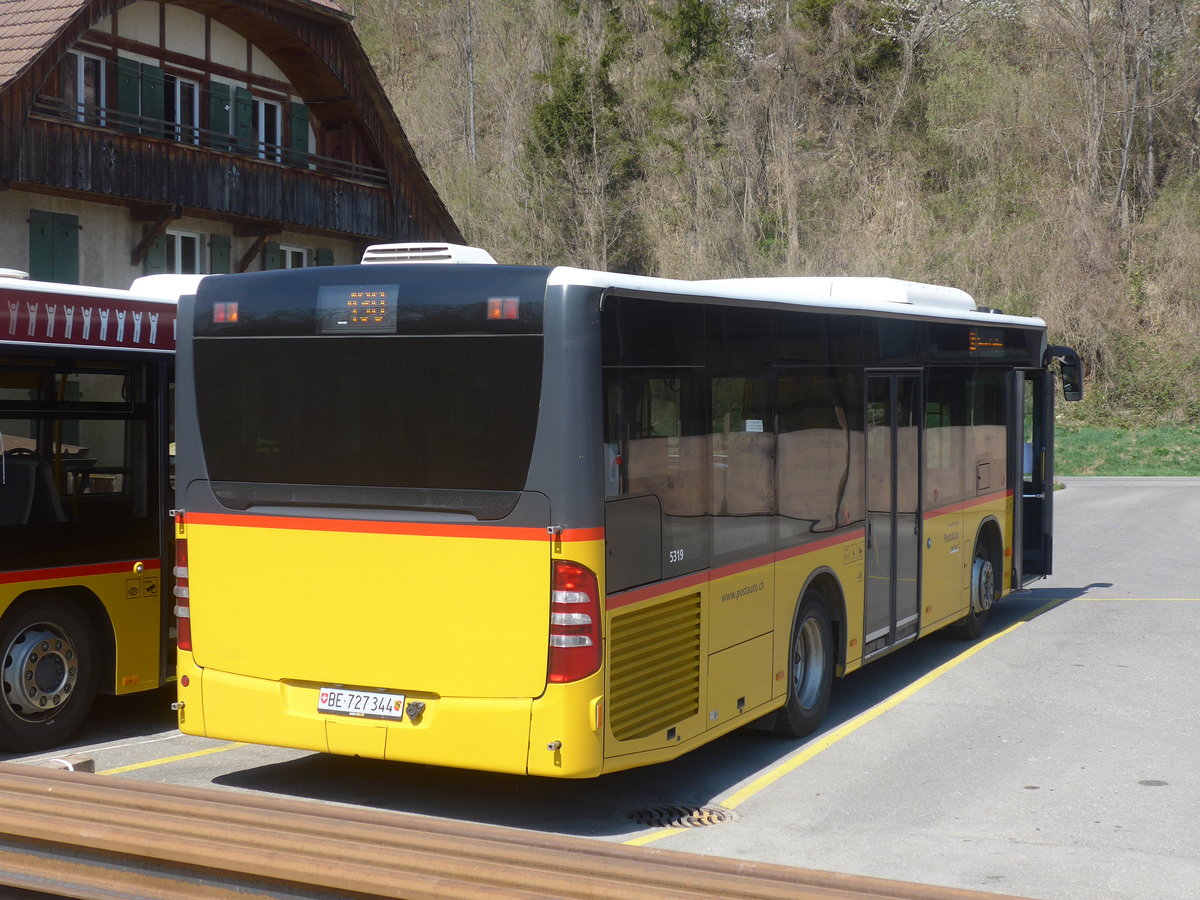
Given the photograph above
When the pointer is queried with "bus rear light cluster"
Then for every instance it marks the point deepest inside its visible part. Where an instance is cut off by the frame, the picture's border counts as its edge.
(575, 645)
(183, 611)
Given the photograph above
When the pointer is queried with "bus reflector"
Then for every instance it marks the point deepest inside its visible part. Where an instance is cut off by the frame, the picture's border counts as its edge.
(575, 648)
(225, 312)
(504, 307)
(183, 597)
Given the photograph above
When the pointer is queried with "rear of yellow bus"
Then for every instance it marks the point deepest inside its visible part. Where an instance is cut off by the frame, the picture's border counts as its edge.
(388, 516)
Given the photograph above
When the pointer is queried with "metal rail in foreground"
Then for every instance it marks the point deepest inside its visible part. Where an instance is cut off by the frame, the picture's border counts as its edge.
(71, 834)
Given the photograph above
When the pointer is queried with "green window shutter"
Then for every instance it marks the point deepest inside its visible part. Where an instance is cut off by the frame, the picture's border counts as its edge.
(324, 257)
(156, 258)
(66, 249)
(53, 247)
(154, 99)
(298, 134)
(219, 248)
(220, 110)
(243, 121)
(41, 245)
(129, 93)
(272, 256)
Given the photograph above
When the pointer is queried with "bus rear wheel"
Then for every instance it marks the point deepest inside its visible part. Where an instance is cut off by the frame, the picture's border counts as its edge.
(47, 675)
(810, 668)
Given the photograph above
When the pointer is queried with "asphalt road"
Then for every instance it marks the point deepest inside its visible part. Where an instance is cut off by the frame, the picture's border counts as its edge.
(1056, 758)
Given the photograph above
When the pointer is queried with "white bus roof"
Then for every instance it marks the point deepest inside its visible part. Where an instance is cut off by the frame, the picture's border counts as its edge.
(878, 295)
(165, 287)
(152, 290)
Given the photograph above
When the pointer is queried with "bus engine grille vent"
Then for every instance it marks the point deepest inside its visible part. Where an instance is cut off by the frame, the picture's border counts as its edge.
(654, 674)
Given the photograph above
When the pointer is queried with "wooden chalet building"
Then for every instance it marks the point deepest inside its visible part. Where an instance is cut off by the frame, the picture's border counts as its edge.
(197, 136)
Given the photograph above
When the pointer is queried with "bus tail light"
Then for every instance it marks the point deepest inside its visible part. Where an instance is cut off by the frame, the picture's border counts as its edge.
(183, 611)
(575, 648)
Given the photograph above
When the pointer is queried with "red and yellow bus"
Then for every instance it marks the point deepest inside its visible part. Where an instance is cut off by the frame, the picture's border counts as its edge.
(564, 522)
(85, 427)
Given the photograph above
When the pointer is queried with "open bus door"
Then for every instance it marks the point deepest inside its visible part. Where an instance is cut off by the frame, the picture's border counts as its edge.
(1033, 520)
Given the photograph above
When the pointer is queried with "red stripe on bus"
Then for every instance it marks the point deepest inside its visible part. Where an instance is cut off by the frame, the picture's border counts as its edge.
(151, 565)
(952, 508)
(419, 529)
(683, 582)
(822, 544)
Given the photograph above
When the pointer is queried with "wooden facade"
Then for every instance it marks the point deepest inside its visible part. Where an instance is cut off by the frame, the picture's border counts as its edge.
(340, 168)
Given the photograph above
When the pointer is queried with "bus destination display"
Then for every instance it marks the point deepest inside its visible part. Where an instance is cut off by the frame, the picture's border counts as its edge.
(986, 342)
(357, 308)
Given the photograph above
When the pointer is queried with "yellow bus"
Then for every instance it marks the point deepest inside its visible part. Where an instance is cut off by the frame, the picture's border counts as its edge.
(85, 427)
(565, 522)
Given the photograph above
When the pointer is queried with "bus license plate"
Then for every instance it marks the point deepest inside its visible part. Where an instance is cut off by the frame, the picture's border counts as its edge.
(368, 704)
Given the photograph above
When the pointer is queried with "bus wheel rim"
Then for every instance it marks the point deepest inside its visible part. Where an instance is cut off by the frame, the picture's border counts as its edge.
(41, 669)
(983, 585)
(808, 670)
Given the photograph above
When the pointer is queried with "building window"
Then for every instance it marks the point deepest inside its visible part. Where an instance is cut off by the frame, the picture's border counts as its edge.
(294, 257)
(267, 120)
(84, 90)
(176, 253)
(182, 110)
(283, 256)
(183, 253)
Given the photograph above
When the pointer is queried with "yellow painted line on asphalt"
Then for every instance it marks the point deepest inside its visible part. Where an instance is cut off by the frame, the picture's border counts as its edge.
(170, 759)
(848, 728)
(650, 836)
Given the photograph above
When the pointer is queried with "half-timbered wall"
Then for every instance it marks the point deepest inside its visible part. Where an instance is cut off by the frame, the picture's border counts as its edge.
(228, 135)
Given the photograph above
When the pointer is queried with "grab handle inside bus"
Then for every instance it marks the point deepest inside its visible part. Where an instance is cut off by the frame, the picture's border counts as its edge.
(1072, 370)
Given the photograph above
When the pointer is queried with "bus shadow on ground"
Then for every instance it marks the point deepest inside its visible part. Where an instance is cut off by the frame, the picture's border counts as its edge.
(116, 719)
(606, 806)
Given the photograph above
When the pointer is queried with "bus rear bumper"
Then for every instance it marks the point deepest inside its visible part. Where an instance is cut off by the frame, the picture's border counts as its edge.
(489, 734)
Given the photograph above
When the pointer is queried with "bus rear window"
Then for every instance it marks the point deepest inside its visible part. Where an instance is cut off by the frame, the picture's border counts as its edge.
(421, 421)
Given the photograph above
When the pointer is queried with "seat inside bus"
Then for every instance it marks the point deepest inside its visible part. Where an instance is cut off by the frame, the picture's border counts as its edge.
(27, 492)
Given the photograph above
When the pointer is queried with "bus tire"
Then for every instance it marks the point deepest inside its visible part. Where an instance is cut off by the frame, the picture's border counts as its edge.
(810, 668)
(983, 594)
(48, 675)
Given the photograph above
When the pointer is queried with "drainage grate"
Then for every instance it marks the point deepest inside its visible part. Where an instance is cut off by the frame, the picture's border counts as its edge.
(681, 816)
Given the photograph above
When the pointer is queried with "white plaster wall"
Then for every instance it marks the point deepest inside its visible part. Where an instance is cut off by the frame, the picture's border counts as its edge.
(107, 237)
(263, 66)
(139, 22)
(14, 230)
(185, 31)
(228, 47)
(103, 245)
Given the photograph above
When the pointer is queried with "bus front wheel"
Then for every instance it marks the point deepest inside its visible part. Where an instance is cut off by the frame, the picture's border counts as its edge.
(983, 595)
(810, 668)
(48, 675)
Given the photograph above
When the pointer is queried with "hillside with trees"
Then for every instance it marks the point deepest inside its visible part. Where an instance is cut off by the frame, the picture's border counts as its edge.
(1042, 155)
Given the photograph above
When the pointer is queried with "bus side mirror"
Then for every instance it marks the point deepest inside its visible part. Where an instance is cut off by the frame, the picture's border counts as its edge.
(1072, 371)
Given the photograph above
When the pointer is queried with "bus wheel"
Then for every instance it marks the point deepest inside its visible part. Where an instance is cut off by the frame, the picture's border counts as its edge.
(48, 677)
(983, 594)
(810, 668)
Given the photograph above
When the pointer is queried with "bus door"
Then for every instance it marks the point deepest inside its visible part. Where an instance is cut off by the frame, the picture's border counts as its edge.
(1032, 522)
(893, 462)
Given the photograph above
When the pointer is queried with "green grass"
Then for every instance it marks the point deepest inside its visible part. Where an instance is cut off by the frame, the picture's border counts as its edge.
(1168, 450)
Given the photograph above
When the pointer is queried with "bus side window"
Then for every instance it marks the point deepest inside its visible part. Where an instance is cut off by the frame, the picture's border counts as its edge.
(815, 442)
(743, 467)
(655, 450)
